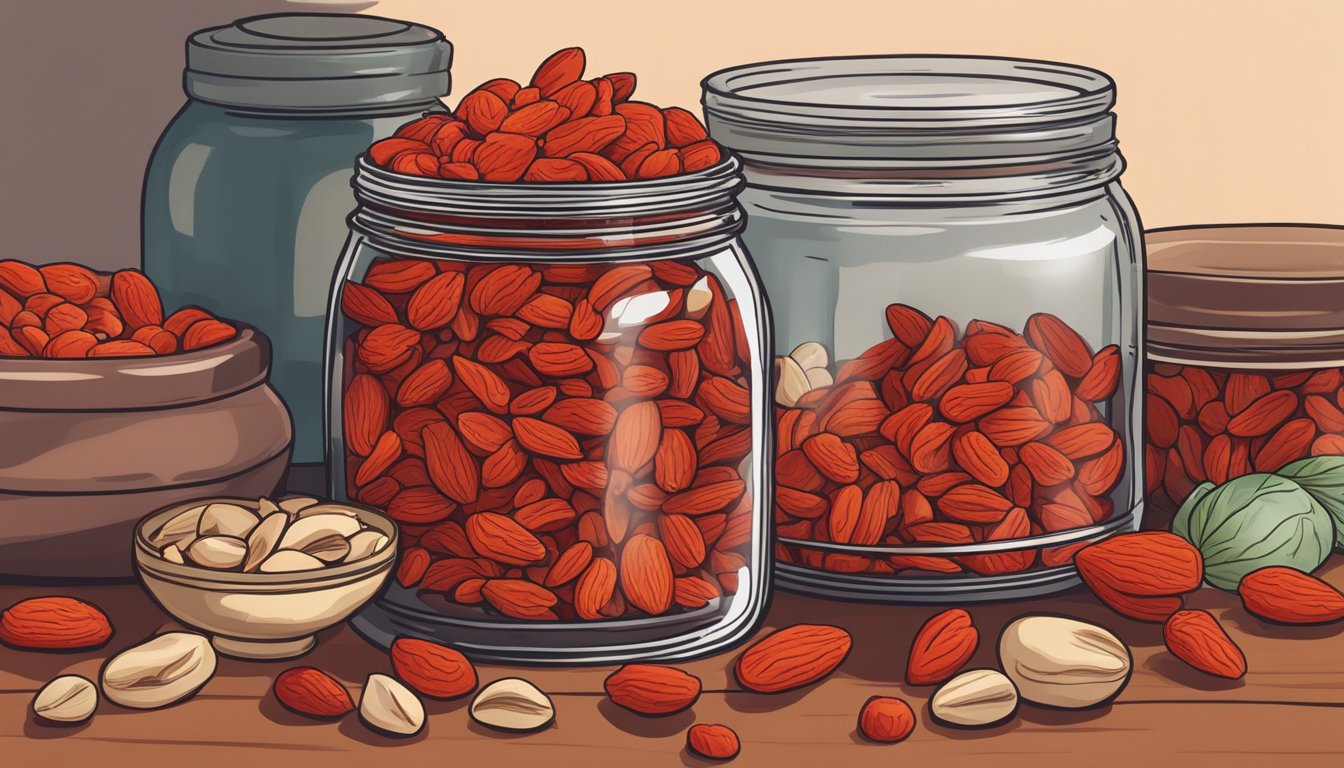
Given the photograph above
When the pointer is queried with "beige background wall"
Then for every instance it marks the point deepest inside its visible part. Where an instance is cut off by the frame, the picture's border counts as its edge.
(1230, 110)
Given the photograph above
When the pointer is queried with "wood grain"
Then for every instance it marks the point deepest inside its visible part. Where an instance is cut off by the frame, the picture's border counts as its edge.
(1286, 711)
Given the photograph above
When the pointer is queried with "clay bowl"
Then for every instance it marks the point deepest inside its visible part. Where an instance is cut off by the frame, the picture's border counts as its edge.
(90, 446)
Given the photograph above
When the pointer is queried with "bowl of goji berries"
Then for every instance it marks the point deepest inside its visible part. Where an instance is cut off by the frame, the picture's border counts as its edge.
(112, 408)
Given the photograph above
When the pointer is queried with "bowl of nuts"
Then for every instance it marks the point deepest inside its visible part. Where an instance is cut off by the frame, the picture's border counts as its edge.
(262, 576)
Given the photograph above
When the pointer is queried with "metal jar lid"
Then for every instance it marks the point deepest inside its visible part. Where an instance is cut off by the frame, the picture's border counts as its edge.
(1247, 296)
(910, 111)
(317, 62)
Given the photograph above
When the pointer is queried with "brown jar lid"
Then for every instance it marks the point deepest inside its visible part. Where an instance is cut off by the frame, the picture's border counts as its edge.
(1253, 296)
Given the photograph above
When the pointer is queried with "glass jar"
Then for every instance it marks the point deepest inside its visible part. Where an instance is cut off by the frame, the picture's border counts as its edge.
(955, 274)
(558, 391)
(247, 191)
(1246, 354)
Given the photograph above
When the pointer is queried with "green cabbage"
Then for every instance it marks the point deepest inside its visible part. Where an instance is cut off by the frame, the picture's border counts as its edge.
(1323, 478)
(1252, 522)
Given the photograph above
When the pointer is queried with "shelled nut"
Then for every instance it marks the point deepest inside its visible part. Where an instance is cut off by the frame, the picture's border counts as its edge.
(391, 708)
(159, 672)
(512, 704)
(1062, 662)
(68, 699)
(226, 520)
(976, 698)
(296, 534)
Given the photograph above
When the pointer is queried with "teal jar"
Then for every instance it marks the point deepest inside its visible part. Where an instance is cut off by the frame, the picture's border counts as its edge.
(247, 191)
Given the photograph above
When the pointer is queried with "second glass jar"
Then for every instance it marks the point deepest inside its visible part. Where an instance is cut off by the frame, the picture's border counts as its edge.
(1246, 360)
(955, 273)
(559, 393)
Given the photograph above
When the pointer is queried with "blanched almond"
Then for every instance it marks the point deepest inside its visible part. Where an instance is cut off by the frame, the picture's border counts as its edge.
(226, 520)
(790, 381)
(698, 299)
(289, 561)
(819, 377)
(391, 708)
(364, 544)
(67, 699)
(977, 698)
(311, 528)
(512, 704)
(810, 354)
(1062, 662)
(324, 508)
(181, 528)
(262, 541)
(218, 552)
(159, 672)
(296, 504)
(328, 549)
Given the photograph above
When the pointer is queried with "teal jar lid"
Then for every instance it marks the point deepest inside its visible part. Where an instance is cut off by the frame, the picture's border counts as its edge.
(317, 62)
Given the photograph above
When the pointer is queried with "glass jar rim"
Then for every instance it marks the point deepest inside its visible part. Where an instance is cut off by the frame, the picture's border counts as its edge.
(551, 201)
(645, 218)
(890, 111)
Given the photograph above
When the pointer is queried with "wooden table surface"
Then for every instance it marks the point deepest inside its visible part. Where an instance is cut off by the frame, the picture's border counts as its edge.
(1289, 709)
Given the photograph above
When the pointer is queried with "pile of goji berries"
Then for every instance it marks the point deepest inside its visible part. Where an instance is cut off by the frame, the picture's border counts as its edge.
(70, 311)
(557, 128)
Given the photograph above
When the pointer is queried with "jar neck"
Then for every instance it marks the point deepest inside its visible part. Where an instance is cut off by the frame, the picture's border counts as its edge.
(652, 218)
(946, 182)
(1245, 350)
(353, 112)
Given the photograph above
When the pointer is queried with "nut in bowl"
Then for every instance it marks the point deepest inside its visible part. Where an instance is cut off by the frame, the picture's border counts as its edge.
(261, 576)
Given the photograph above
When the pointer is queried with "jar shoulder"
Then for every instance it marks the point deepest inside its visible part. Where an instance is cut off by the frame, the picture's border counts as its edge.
(767, 204)
(225, 136)
(1106, 223)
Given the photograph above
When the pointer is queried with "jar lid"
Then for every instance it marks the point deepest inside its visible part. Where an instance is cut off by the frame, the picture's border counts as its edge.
(1259, 296)
(317, 61)
(910, 108)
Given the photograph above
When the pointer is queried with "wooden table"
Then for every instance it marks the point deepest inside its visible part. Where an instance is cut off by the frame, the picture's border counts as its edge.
(1288, 710)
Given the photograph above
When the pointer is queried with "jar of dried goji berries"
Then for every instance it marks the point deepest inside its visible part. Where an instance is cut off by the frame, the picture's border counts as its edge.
(1245, 354)
(955, 272)
(559, 393)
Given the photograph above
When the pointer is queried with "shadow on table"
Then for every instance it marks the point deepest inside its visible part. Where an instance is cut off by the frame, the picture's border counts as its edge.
(273, 710)
(339, 652)
(1179, 672)
(647, 727)
(747, 701)
(1251, 625)
(34, 729)
(1051, 716)
(353, 728)
(499, 735)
